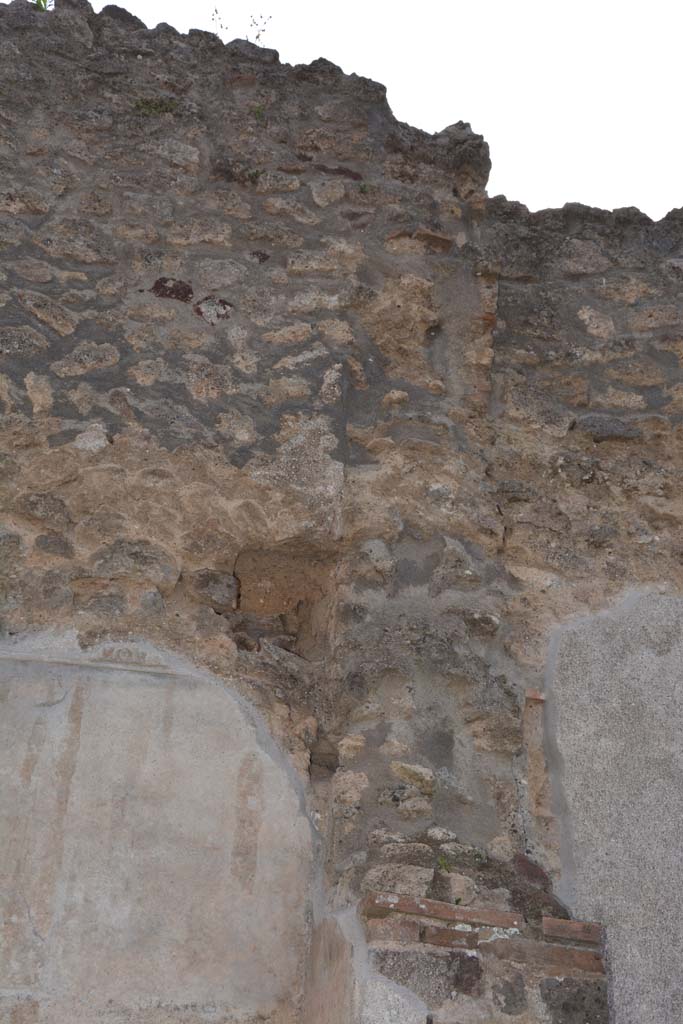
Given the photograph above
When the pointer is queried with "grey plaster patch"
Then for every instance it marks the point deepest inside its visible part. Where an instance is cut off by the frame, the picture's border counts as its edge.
(387, 1003)
(614, 732)
(156, 861)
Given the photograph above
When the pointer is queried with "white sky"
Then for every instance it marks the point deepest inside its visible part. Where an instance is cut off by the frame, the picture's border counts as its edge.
(578, 101)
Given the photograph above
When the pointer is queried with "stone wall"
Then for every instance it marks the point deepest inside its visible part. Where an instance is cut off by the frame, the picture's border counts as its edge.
(286, 395)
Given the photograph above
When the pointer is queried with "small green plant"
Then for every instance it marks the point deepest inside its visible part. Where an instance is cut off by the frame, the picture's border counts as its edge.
(237, 171)
(155, 107)
(363, 188)
(259, 113)
(258, 24)
(43, 5)
(219, 26)
(443, 863)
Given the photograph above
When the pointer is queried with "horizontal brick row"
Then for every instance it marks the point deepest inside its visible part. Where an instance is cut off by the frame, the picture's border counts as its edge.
(380, 904)
(560, 959)
(394, 920)
(545, 955)
(573, 931)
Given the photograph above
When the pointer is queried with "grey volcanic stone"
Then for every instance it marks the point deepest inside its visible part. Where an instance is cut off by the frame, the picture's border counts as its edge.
(575, 1001)
(607, 428)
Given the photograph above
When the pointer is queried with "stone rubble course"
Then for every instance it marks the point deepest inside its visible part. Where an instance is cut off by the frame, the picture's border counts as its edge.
(285, 394)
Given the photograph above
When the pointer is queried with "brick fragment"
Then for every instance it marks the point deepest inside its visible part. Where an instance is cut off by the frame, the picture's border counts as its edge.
(380, 904)
(449, 938)
(381, 930)
(563, 960)
(573, 931)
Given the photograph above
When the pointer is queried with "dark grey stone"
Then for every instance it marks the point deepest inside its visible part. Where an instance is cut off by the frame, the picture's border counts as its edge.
(603, 427)
(510, 994)
(433, 977)
(574, 1001)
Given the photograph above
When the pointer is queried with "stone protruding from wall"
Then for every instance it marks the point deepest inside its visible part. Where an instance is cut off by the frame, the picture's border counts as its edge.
(157, 863)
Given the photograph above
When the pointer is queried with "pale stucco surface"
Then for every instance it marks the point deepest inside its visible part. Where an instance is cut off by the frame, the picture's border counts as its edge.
(155, 857)
(615, 721)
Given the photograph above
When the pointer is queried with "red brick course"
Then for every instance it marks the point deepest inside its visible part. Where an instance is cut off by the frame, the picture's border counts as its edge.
(391, 918)
(449, 937)
(381, 904)
(543, 955)
(573, 931)
(394, 929)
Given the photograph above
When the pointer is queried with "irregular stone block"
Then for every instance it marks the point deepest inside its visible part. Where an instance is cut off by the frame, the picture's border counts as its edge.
(415, 775)
(407, 879)
(86, 357)
(220, 590)
(136, 559)
(434, 977)
(574, 1001)
(21, 341)
(603, 427)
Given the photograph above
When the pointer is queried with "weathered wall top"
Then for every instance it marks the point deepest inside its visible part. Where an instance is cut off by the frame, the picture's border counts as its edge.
(284, 392)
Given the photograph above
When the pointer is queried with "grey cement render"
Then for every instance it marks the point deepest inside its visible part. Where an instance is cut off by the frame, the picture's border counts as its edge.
(615, 742)
(156, 862)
